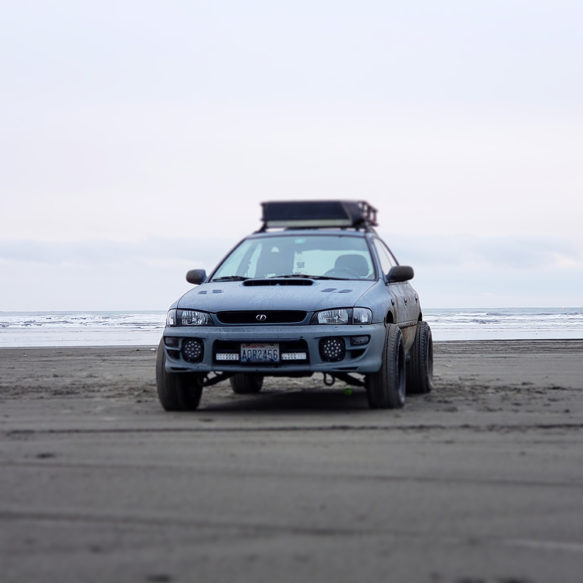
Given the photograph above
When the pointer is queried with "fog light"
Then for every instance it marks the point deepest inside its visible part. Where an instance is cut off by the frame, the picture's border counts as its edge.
(192, 350)
(332, 349)
(359, 340)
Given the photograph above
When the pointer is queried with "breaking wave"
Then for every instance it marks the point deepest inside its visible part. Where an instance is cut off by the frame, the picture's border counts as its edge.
(87, 328)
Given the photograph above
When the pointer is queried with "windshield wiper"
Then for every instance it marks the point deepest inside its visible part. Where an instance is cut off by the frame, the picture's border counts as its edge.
(304, 276)
(230, 278)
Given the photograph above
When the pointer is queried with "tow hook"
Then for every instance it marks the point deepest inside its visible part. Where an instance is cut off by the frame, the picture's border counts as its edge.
(329, 380)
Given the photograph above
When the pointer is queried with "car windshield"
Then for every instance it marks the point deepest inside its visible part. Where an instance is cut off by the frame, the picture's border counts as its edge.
(316, 256)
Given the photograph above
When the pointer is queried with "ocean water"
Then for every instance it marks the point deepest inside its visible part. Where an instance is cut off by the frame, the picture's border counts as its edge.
(22, 329)
(27, 329)
(505, 323)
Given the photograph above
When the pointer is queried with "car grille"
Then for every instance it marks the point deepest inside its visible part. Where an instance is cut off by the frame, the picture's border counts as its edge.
(262, 317)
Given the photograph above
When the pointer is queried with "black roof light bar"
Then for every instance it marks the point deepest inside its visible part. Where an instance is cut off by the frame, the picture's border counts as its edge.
(314, 214)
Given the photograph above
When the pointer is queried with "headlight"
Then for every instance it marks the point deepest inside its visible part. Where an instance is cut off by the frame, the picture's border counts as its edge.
(187, 318)
(343, 316)
(333, 316)
(361, 316)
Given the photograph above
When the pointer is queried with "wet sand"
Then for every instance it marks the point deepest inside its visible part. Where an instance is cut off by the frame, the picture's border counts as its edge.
(479, 481)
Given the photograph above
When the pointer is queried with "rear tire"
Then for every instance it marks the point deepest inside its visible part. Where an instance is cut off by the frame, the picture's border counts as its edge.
(246, 384)
(176, 391)
(385, 389)
(420, 366)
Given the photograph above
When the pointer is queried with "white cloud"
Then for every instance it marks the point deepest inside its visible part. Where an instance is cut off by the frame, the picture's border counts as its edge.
(135, 137)
(450, 272)
(473, 252)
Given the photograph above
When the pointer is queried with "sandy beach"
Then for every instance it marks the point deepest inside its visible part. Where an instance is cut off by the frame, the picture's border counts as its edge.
(479, 481)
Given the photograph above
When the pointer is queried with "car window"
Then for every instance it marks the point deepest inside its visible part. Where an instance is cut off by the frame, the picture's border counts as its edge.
(385, 256)
(340, 256)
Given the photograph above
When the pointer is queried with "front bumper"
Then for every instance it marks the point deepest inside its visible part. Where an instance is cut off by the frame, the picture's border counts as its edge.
(363, 348)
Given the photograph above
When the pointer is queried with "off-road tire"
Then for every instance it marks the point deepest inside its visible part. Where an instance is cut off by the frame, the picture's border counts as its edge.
(385, 389)
(246, 384)
(176, 391)
(420, 365)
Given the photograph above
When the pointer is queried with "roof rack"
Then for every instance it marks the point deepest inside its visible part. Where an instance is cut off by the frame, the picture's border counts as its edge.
(314, 214)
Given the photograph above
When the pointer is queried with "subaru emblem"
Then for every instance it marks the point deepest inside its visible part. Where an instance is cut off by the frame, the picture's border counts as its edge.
(261, 317)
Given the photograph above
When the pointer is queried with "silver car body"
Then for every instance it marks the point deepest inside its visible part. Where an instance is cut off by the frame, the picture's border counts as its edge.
(279, 313)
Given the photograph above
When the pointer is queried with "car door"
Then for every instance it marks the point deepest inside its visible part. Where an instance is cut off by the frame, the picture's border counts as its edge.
(394, 290)
(405, 297)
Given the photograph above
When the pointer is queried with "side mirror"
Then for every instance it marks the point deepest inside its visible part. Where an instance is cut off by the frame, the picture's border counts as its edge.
(196, 276)
(400, 273)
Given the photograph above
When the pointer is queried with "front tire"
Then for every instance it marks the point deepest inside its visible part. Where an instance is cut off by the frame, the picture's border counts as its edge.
(246, 384)
(420, 366)
(176, 391)
(385, 389)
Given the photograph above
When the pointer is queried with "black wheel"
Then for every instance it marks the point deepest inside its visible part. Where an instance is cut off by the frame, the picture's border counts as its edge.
(385, 389)
(245, 384)
(420, 365)
(176, 391)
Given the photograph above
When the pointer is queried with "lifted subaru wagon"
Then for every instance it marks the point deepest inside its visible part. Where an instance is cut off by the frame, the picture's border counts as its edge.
(314, 290)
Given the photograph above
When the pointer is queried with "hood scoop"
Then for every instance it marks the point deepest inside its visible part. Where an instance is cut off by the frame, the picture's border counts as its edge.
(276, 281)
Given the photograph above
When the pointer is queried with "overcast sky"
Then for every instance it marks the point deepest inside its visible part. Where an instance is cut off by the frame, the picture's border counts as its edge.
(139, 137)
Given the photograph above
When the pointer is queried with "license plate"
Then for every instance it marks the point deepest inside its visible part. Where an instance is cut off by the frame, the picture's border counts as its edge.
(260, 352)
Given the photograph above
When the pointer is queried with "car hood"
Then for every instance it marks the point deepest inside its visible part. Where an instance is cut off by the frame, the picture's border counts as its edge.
(305, 295)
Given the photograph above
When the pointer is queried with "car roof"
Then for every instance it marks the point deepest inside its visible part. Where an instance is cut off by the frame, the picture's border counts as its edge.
(310, 232)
